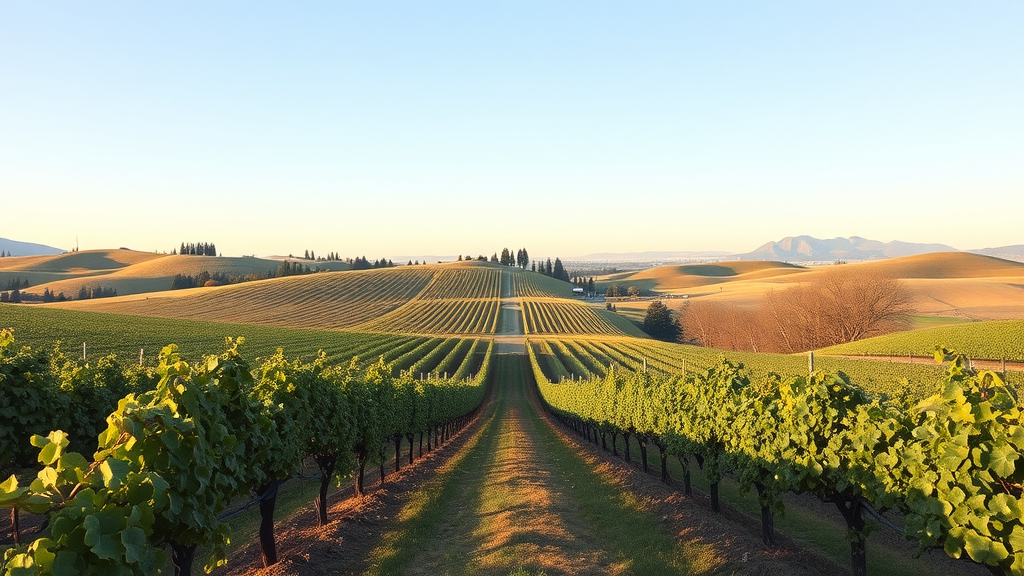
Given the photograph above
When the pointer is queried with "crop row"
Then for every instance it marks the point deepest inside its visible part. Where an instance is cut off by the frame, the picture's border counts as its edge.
(328, 300)
(463, 283)
(565, 317)
(439, 317)
(534, 285)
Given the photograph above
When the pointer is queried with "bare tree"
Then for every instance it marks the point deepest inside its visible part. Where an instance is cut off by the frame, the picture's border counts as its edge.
(837, 306)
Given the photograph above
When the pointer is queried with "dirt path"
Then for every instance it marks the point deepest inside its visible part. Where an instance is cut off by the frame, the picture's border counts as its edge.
(510, 338)
(510, 506)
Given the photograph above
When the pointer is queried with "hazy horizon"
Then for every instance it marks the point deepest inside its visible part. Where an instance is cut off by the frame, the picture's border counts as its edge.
(569, 129)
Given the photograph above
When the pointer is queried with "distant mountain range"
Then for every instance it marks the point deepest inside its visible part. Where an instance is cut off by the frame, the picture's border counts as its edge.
(1015, 252)
(809, 249)
(27, 248)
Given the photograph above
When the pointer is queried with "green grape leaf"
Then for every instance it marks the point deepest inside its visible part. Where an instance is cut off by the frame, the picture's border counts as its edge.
(100, 531)
(984, 550)
(114, 472)
(134, 541)
(1002, 458)
(68, 563)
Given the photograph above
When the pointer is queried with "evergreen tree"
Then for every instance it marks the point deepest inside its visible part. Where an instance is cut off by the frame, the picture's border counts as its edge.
(559, 271)
(548, 268)
(659, 323)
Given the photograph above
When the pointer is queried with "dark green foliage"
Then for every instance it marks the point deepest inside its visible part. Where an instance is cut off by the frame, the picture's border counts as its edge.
(659, 323)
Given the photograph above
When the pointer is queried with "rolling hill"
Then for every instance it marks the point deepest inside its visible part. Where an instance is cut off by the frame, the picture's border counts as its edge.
(128, 271)
(953, 284)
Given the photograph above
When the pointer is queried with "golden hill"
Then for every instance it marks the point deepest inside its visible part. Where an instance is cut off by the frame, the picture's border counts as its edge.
(956, 284)
(41, 271)
(155, 274)
(674, 278)
(77, 262)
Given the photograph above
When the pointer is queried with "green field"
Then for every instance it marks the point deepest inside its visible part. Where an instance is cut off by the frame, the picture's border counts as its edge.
(996, 340)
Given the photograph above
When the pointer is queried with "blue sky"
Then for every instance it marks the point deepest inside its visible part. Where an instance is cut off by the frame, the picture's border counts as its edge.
(392, 128)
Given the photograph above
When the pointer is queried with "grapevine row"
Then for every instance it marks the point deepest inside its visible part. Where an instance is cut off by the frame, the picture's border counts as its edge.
(565, 317)
(170, 458)
(440, 317)
(950, 464)
(464, 283)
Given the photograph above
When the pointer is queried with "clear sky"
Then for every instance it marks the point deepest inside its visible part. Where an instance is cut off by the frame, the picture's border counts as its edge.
(390, 128)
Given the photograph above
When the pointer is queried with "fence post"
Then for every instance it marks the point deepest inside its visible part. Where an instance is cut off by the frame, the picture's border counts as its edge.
(810, 361)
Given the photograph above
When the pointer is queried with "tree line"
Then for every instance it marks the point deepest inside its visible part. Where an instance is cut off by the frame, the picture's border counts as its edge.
(197, 249)
(361, 263)
(555, 270)
(17, 283)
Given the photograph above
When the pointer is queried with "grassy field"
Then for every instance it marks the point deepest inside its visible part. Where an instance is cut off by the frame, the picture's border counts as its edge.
(980, 340)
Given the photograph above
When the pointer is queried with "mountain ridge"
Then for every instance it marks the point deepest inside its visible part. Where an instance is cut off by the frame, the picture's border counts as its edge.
(17, 248)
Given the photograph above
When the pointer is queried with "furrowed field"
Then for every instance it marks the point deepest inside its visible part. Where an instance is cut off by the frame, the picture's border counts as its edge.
(434, 341)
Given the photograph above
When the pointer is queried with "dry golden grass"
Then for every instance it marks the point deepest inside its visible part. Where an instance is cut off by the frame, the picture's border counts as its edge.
(154, 274)
(78, 262)
(687, 278)
(954, 284)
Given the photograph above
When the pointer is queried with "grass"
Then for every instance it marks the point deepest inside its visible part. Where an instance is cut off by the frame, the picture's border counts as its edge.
(517, 500)
(919, 322)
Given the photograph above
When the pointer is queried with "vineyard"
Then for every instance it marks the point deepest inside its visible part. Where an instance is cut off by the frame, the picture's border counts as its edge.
(457, 301)
(187, 439)
(123, 336)
(947, 465)
(934, 445)
(997, 340)
(328, 300)
(439, 317)
(586, 357)
(531, 285)
(472, 282)
(551, 316)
